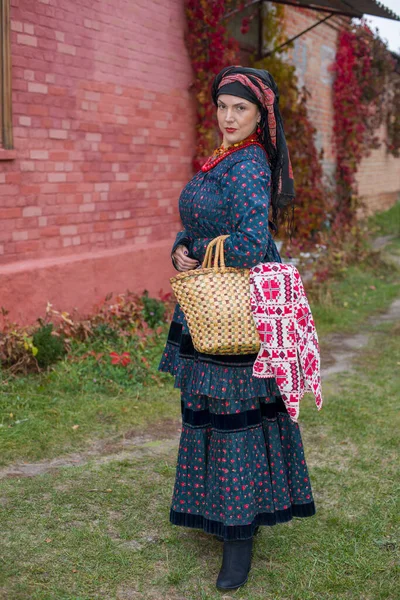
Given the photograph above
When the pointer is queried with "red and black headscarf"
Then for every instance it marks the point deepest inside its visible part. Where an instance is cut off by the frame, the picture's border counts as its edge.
(258, 86)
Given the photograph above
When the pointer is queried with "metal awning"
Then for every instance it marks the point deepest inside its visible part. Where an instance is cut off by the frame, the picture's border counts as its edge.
(350, 8)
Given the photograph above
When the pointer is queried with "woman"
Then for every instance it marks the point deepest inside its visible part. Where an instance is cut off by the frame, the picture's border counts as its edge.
(241, 461)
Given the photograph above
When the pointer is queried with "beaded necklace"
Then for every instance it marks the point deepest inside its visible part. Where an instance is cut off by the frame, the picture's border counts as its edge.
(220, 153)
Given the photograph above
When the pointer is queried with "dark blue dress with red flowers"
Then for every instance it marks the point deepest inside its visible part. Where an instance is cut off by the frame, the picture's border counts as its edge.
(241, 460)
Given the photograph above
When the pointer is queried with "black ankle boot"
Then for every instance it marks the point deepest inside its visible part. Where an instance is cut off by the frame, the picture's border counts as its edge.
(236, 564)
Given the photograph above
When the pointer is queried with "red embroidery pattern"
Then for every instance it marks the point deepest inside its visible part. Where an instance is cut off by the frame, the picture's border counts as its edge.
(215, 159)
(289, 343)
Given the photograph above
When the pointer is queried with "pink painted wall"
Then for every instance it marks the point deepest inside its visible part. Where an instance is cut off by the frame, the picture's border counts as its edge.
(104, 136)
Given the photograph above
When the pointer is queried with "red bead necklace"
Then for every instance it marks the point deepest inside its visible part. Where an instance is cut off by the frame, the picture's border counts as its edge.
(220, 153)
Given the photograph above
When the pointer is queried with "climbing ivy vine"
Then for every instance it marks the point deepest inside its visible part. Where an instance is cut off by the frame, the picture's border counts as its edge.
(366, 95)
(363, 69)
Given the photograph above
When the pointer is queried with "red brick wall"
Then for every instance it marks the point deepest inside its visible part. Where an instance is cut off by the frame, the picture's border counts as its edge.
(378, 179)
(313, 53)
(104, 134)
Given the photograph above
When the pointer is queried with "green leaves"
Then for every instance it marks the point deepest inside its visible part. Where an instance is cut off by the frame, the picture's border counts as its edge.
(128, 319)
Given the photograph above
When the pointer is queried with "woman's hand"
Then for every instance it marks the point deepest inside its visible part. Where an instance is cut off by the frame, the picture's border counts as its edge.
(182, 261)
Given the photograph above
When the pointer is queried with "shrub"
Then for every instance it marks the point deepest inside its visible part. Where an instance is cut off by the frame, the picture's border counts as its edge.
(153, 310)
(130, 324)
(17, 351)
(105, 332)
(50, 346)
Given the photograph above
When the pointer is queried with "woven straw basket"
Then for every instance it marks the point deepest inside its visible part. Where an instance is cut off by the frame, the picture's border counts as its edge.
(216, 303)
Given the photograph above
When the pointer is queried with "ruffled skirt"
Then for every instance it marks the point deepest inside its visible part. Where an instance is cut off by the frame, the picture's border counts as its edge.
(241, 461)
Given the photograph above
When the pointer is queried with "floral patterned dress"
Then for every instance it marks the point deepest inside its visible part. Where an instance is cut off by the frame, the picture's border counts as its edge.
(241, 461)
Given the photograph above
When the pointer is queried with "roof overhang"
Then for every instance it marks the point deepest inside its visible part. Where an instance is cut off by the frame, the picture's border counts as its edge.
(350, 8)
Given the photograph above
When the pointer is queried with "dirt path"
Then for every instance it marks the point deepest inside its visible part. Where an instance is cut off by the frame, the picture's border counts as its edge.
(338, 353)
(339, 350)
(135, 447)
(379, 243)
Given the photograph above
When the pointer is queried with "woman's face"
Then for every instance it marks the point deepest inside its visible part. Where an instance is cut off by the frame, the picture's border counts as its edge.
(237, 118)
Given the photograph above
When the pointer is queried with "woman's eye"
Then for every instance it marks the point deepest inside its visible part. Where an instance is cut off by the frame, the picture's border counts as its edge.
(241, 108)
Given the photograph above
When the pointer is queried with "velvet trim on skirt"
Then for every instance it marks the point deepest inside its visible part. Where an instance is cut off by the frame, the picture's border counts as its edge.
(241, 460)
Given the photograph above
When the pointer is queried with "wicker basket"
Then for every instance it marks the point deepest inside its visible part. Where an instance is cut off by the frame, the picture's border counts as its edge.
(216, 303)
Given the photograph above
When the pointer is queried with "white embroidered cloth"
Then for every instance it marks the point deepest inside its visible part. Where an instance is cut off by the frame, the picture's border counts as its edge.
(289, 349)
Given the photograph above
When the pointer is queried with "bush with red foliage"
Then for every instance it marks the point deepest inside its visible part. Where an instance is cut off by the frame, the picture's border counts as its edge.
(364, 98)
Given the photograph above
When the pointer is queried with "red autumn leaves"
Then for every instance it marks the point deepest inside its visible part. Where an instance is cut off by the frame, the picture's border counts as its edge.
(123, 359)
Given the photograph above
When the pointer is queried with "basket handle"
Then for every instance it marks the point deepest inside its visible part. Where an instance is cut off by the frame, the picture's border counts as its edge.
(218, 243)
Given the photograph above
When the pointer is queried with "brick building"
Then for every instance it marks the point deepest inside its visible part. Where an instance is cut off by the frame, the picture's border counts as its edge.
(378, 176)
(103, 137)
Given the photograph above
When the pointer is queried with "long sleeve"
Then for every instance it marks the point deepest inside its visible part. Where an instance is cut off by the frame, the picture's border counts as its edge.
(182, 238)
(246, 187)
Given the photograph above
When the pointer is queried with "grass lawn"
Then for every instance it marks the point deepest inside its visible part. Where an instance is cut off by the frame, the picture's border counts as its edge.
(78, 403)
(344, 305)
(394, 247)
(101, 531)
(386, 222)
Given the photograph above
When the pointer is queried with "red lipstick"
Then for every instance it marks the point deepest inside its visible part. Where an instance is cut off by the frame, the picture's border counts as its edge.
(230, 129)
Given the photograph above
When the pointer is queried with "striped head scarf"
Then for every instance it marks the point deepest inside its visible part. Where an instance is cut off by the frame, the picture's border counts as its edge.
(258, 86)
